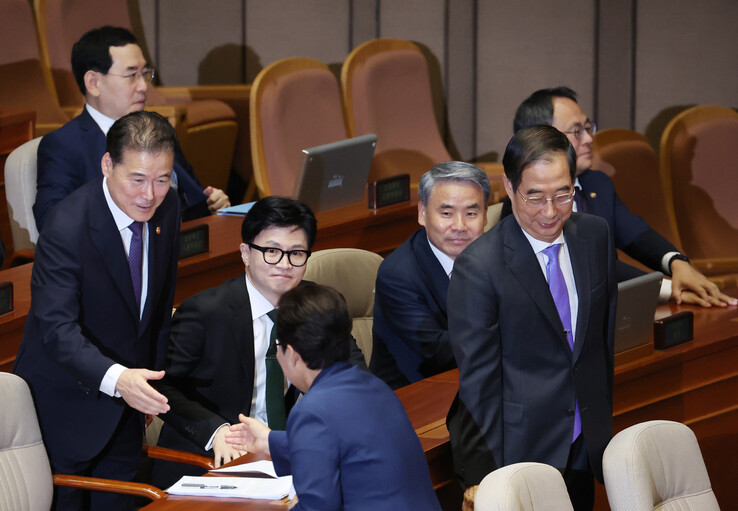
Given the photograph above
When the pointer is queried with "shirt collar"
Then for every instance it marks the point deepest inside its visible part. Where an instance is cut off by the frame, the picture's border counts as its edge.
(100, 119)
(577, 184)
(539, 245)
(444, 259)
(259, 304)
(122, 220)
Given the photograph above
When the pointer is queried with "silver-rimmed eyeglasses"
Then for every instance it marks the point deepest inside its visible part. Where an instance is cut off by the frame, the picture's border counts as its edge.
(273, 255)
(579, 130)
(539, 202)
(146, 73)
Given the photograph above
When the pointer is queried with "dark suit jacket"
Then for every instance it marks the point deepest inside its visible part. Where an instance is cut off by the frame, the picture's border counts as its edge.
(209, 371)
(350, 445)
(518, 379)
(84, 318)
(70, 157)
(410, 327)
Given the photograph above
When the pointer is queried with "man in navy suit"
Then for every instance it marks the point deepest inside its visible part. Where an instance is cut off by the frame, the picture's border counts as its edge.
(531, 319)
(113, 76)
(410, 327)
(596, 194)
(101, 299)
(349, 443)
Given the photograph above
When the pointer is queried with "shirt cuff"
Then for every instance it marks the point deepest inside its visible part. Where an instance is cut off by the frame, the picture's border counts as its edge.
(209, 445)
(110, 380)
(665, 293)
(665, 262)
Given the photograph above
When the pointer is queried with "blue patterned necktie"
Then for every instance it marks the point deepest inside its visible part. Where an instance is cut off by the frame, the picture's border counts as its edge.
(135, 258)
(560, 294)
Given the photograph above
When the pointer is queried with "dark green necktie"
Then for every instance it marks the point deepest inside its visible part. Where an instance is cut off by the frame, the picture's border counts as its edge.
(276, 415)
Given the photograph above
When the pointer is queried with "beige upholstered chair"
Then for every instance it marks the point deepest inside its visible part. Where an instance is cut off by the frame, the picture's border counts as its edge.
(26, 483)
(523, 487)
(386, 87)
(657, 465)
(20, 190)
(353, 272)
(493, 215)
(698, 168)
(295, 104)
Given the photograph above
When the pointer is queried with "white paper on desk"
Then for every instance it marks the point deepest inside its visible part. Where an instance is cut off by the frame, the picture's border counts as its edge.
(245, 487)
(265, 467)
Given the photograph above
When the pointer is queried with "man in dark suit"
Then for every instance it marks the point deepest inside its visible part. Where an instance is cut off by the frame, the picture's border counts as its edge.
(217, 359)
(596, 194)
(349, 443)
(113, 76)
(410, 331)
(531, 321)
(101, 298)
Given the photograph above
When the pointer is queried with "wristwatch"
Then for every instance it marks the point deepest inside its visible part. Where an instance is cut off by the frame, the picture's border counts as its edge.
(679, 257)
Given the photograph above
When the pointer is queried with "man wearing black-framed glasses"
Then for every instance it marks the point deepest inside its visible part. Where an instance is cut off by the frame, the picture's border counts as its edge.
(222, 355)
(595, 194)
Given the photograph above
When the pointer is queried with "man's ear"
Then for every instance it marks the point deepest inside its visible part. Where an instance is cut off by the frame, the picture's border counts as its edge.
(92, 83)
(508, 187)
(107, 165)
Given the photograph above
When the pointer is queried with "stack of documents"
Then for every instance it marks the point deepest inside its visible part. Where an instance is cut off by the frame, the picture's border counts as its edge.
(269, 488)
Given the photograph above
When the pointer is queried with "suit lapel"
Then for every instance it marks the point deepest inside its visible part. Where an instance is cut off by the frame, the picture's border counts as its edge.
(523, 264)
(105, 236)
(579, 253)
(241, 323)
(436, 277)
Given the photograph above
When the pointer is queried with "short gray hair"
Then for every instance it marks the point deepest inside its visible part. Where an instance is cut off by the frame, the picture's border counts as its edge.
(452, 171)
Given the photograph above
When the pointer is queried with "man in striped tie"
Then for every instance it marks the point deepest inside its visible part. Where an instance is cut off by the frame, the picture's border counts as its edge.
(531, 318)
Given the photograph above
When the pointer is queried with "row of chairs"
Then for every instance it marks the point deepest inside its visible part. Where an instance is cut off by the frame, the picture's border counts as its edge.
(648, 466)
(686, 194)
(385, 88)
(36, 39)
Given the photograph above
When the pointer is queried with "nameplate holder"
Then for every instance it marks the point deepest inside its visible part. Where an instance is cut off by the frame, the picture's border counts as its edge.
(673, 330)
(6, 297)
(388, 191)
(194, 240)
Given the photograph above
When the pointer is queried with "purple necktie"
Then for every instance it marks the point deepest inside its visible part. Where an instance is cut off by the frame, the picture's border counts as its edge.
(557, 285)
(135, 258)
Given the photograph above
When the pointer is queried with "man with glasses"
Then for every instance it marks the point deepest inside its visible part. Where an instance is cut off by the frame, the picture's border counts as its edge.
(221, 358)
(113, 76)
(531, 310)
(596, 194)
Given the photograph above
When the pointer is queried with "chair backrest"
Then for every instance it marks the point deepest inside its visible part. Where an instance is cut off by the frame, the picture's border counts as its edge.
(295, 104)
(353, 272)
(523, 487)
(25, 474)
(657, 465)
(493, 215)
(698, 165)
(20, 190)
(23, 82)
(386, 90)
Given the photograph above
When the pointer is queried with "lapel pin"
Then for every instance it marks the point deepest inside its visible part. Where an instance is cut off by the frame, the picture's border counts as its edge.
(158, 230)
(591, 194)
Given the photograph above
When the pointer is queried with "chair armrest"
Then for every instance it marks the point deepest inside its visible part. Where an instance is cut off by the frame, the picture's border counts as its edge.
(109, 485)
(222, 92)
(163, 453)
(716, 266)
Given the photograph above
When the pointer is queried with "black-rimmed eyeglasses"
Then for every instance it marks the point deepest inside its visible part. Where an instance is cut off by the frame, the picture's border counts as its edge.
(273, 255)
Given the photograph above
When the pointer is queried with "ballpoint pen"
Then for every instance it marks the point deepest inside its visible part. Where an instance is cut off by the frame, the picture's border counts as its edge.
(208, 486)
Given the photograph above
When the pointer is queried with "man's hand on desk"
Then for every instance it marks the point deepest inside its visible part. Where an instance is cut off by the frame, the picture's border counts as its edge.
(469, 495)
(690, 286)
(134, 388)
(250, 435)
(222, 451)
(217, 199)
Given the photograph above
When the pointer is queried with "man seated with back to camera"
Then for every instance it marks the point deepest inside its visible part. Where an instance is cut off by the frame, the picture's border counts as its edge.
(220, 360)
(595, 194)
(410, 330)
(348, 443)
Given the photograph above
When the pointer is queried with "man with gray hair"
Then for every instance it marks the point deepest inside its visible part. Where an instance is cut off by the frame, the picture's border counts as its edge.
(410, 321)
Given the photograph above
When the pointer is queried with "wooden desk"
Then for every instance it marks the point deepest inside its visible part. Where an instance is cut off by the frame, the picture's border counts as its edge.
(354, 226)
